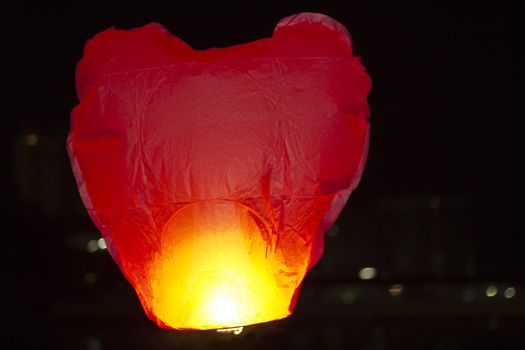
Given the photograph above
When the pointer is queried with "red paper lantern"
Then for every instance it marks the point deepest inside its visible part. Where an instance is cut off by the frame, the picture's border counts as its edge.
(213, 175)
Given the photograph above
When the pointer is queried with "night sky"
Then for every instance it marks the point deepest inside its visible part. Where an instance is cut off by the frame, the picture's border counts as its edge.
(446, 112)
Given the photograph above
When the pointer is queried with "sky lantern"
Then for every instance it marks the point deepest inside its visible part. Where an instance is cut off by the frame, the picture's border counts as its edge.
(213, 175)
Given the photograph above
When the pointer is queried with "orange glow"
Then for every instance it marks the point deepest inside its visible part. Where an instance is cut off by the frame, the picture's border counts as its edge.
(213, 271)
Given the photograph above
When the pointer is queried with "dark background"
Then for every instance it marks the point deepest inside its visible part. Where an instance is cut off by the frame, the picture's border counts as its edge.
(439, 212)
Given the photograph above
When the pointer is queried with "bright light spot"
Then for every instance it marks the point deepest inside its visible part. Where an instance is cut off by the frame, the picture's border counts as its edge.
(222, 309)
(101, 243)
(491, 291)
(509, 292)
(31, 139)
(90, 278)
(367, 273)
(395, 289)
(234, 330)
(92, 246)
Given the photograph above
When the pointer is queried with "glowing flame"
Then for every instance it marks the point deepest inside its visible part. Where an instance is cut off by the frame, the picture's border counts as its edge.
(217, 277)
(222, 309)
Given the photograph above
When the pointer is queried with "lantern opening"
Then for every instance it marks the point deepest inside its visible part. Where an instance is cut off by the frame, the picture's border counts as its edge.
(213, 271)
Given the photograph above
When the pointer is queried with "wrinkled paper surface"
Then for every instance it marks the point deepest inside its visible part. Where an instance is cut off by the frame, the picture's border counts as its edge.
(213, 175)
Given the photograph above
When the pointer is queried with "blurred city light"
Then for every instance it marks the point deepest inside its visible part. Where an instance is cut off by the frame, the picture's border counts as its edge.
(491, 291)
(92, 246)
(101, 243)
(367, 273)
(509, 292)
(31, 139)
(395, 289)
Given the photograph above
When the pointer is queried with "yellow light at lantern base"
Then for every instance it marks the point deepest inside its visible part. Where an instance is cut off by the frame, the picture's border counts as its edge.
(214, 271)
